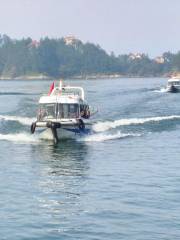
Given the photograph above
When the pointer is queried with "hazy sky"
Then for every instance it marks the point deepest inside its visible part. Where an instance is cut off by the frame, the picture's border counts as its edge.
(122, 26)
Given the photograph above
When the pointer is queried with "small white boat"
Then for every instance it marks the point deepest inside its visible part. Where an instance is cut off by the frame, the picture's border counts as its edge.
(61, 113)
(173, 84)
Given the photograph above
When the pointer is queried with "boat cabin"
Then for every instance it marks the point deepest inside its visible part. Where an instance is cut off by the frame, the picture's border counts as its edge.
(174, 81)
(63, 104)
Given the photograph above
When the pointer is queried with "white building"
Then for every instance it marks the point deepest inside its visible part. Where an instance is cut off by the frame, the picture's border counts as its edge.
(70, 40)
(134, 56)
(159, 60)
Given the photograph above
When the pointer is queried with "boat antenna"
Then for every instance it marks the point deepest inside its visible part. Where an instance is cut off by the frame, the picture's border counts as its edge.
(60, 84)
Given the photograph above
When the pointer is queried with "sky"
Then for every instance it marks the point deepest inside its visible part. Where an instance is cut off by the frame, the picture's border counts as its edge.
(119, 26)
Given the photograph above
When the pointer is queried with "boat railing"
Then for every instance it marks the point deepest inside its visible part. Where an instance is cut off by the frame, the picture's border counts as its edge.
(61, 94)
(71, 92)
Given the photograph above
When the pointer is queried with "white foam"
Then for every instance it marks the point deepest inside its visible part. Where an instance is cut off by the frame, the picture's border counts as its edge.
(19, 138)
(162, 90)
(104, 126)
(46, 135)
(100, 137)
(22, 120)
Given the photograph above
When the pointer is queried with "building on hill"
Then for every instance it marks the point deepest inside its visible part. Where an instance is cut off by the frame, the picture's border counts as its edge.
(34, 44)
(70, 40)
(134, 56)
(159, 60)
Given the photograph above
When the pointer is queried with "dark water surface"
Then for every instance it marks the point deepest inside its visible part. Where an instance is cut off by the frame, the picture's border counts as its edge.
(120, 183)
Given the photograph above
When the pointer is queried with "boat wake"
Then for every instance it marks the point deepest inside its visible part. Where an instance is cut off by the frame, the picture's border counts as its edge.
(162, 90)
(101, 137)
(105, 126)
(102, 131)
(20, 138)
(21, 120)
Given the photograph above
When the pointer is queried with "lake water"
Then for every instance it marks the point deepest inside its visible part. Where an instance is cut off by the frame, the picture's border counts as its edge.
(120, 183)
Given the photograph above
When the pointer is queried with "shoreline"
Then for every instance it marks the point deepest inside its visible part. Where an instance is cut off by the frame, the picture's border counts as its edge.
(27, 77)
(80, 77)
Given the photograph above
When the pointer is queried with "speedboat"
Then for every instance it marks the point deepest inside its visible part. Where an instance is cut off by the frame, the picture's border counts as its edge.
(63, 113)
(173, 84)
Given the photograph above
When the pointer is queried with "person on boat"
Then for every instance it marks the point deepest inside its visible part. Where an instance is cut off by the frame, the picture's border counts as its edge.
(85, 112)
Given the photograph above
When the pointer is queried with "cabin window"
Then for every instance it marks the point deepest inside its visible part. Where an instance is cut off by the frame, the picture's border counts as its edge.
(50, 111)
(174, 83)
(68, 110)
(47, 111)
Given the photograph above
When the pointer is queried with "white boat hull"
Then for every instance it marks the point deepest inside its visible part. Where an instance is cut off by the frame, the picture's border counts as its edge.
(173, 88)
(63, 133)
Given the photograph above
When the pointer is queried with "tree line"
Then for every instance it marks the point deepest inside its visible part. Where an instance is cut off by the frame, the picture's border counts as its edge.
(56, 58)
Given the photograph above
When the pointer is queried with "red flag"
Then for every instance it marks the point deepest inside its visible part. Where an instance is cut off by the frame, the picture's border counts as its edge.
(51, 89)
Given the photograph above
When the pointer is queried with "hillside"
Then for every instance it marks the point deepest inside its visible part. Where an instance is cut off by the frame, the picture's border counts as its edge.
(69, 57)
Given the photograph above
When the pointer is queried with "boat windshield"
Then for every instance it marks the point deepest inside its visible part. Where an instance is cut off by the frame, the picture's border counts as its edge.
(68, 111)
(56, 110)
(177, 83)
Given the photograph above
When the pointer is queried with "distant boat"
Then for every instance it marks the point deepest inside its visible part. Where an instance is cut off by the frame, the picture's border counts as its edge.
(173, 85)
(61, 113)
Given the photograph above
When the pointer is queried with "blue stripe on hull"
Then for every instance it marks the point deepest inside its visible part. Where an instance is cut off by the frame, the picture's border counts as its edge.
(78, 131)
